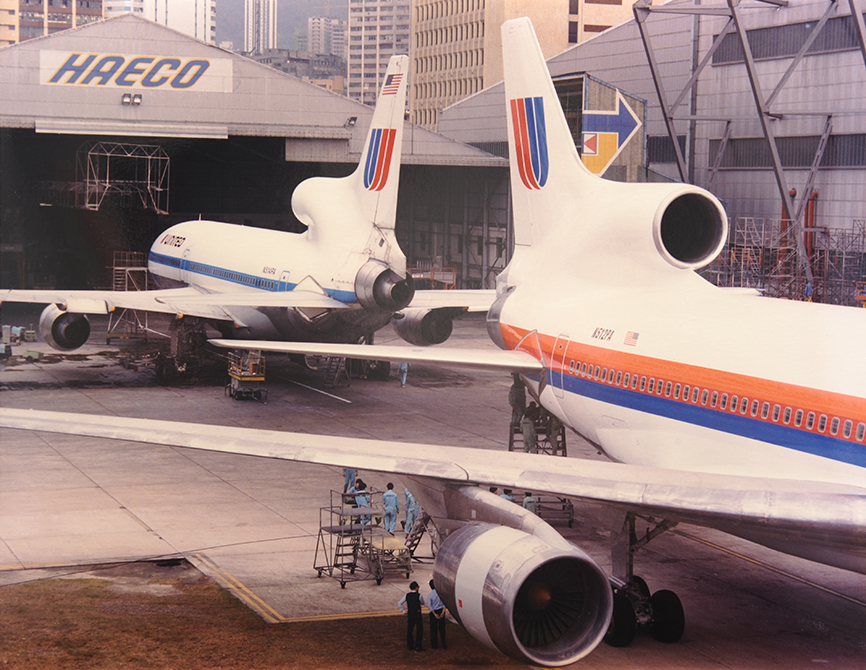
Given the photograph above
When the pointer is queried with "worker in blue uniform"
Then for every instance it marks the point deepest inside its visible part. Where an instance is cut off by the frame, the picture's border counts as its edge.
(411, 605)
(391, 503)
(412, 508)
(437, 618)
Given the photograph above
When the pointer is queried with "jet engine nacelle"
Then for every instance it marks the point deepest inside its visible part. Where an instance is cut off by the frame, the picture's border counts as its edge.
(423, 327)
(534, 602)
(62, 330)
(378, 287)
(690, 228)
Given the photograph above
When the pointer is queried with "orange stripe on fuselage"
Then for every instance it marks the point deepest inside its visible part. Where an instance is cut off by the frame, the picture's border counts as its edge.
(754, 388)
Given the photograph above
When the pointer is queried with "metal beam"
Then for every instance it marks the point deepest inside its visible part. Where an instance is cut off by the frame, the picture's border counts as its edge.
(641, 11)
(764, 118)
(857, 15)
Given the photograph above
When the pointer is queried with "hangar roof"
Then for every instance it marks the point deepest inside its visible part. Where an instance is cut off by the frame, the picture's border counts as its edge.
(127, 76)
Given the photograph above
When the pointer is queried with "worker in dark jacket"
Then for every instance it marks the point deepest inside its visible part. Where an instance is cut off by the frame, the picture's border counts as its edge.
(411, 605)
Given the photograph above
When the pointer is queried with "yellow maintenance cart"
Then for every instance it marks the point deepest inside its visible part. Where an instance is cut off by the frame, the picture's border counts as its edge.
(246, 375)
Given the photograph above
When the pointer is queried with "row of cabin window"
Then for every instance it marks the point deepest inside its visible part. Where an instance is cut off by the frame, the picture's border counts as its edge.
(737, 404)
(232, 276)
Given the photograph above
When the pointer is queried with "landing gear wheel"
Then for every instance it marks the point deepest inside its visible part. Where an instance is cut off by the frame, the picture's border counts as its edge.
(669, 620)
(623, 623)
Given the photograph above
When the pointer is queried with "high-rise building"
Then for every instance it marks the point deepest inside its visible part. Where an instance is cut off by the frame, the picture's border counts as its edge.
(8, 22)
(260, 24)
(36, 18)
(457, 47)
(196, 18)
(326, 35)
(378, 29)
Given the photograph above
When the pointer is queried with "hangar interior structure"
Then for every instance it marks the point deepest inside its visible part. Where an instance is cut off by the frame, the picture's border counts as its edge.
(112, 132)
(759, 101)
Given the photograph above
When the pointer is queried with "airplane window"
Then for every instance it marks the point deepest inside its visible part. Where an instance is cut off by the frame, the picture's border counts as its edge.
(733, 403)
(633, 382)
(798, 418)
(861, 431)
(695, 392)
(846, 430)
(704, 395)
(583, 370)
(714, 399)
(618, 377)
(651, 386)
(571, 367)
(765, 410)
(686, 393)
(597, 372)
(744, 404)
(822, 423)
(677, 391)
(755, 404)
(604, 375)
(834, 425)
(668, 390)
(724, 403)
(643, 383)
(810, 420)
(776, 412)
(787, 418)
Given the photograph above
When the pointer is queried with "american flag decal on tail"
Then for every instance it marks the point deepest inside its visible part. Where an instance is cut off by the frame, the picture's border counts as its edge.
(392, 84)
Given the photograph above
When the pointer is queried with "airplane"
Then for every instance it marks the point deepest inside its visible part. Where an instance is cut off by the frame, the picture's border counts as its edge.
(341, 280)
(719, 408)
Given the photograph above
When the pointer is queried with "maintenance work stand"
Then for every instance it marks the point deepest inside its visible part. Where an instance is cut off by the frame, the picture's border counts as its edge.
(550, 441)
(353, 546)
(246, 375)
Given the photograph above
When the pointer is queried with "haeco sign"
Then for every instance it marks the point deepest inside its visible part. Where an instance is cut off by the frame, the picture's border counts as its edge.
(67, 68)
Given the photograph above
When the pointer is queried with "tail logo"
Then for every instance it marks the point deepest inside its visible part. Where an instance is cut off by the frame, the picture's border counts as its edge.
(530, 141)
(378, 163)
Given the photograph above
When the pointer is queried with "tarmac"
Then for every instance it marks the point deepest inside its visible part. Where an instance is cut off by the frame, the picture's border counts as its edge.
(68, 503)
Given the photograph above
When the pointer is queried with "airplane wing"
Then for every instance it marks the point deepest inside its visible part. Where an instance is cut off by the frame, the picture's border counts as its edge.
(484, 359)
(473, 300)
(188, 301)
(789, 507)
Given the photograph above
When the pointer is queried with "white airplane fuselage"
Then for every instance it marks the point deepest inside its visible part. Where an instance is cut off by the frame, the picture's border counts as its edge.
(224, 258)
(688, 376)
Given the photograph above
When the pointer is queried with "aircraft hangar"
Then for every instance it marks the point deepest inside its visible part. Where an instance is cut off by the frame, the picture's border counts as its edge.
(114, 131)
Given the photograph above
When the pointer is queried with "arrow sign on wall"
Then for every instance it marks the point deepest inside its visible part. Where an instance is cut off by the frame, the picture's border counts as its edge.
(605, 134)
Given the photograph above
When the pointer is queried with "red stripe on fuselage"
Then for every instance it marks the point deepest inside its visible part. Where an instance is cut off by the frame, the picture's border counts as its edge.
(383, 165)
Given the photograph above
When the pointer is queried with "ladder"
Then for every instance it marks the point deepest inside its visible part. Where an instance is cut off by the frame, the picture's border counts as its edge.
(422, 524)
(335, 372)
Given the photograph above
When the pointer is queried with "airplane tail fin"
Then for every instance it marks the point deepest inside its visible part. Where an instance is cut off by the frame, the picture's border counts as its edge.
(334, 206)
(543, 160)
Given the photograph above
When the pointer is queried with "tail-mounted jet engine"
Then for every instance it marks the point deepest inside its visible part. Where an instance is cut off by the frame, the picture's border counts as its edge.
(689, 228)
(378, 287)
(62, 330)
(534, 602)
(423, 327)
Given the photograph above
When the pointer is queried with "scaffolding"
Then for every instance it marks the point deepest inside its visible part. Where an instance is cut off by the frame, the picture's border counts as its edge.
(128, 273)
(352, 546)
(128, 170)
(762, 253)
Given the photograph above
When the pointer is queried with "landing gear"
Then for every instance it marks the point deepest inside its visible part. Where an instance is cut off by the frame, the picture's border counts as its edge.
(633, 607)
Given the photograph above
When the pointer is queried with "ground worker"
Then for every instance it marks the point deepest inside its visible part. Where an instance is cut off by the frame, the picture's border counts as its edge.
(391, 503)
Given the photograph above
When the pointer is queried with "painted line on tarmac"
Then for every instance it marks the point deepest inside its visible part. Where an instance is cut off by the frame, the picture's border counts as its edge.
(779, 571)
(244, 594)
(338, 617)
(312, 388)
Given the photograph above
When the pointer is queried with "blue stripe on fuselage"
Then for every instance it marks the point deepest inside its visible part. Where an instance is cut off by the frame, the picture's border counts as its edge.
(240, 278)
(805, 441)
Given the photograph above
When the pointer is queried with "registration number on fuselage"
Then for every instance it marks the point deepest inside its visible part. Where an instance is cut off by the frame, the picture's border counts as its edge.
(603, 334)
